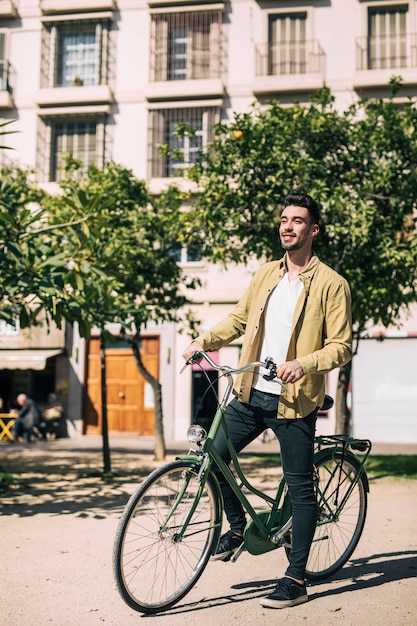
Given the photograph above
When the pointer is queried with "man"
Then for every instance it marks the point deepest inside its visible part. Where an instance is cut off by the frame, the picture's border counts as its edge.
(298, 311)
(29, 415)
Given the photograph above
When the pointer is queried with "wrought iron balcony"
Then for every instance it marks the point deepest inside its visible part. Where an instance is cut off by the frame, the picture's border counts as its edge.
(379, 57)
(282, 59)
(386, 52)
(289, 66)
(6, 100)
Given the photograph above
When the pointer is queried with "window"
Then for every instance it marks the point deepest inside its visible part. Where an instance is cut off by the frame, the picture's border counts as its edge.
(184, 132)
(75, 53)
(185, 148)
(76, 138)
(82, 137)
(387, 42)
(78, 55)
(288, 52)
(189, 254)
(186, 45)
(287, 37)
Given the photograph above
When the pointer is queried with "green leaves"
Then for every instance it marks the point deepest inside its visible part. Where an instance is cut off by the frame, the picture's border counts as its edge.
(360, 165)
(95, 254)
(6, 132)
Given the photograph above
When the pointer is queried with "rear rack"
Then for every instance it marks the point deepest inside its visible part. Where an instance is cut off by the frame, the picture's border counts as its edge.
(344, 441)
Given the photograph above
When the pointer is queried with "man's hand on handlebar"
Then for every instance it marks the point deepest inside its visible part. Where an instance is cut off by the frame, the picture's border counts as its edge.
(290, 371)
(194, 347)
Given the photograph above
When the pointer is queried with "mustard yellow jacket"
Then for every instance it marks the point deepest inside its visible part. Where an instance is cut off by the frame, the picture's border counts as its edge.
(321, 337)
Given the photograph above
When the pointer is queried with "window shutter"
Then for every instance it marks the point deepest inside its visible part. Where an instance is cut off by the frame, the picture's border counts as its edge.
(161, 49)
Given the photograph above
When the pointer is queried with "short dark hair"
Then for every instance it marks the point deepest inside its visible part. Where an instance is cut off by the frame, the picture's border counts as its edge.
(306, 201)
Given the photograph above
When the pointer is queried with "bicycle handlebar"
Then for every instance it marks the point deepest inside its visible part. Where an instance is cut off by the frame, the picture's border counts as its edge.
(268, 364)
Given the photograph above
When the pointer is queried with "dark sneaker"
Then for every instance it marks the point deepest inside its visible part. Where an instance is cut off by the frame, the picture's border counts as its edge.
(228, 544)
(287, 593)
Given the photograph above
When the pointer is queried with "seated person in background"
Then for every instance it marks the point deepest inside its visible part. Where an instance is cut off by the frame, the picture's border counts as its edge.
(53, 408)
(51, 416)
(28, 416)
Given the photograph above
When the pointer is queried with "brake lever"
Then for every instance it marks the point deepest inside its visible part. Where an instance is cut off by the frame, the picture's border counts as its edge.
(272, 366)
(193, 359)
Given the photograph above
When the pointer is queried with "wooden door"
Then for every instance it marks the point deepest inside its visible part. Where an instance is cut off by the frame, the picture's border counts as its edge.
(129, 399)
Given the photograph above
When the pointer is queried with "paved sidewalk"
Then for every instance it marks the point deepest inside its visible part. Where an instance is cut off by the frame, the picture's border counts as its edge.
(58, 524)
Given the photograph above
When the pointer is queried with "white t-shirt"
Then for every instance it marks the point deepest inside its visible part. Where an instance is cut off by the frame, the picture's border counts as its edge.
(277, 330)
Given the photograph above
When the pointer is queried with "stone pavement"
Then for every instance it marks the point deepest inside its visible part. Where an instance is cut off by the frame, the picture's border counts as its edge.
(58, 523)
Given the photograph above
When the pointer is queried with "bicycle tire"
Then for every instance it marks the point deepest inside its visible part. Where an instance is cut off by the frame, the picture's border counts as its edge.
(335, 541)
(153, 569)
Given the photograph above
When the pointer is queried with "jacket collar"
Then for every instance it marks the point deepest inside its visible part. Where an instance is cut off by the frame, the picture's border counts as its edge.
(307, 273)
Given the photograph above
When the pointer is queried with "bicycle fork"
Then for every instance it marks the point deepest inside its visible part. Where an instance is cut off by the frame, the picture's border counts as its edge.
(176, 537)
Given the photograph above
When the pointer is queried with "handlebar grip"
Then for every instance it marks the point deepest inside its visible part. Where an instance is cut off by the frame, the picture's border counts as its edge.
(194, 358)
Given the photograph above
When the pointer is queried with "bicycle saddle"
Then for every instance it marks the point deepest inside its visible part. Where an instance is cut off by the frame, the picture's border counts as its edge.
(328, 403)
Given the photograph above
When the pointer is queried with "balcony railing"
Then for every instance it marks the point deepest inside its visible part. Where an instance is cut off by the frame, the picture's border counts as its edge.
(386, 52)
(289, 58)
(5, 74)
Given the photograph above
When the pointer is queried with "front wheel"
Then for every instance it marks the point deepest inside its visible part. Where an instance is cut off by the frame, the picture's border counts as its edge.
(165, 537)
(342, 505)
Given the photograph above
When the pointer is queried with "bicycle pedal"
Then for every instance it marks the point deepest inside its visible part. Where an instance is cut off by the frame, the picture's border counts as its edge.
(236, 554)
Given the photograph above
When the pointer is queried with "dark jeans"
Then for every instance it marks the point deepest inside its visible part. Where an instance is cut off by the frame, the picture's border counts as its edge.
(20, 429)
(296, 439)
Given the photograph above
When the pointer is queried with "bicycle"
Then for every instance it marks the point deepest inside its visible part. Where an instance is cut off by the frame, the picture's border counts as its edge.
(171, 525)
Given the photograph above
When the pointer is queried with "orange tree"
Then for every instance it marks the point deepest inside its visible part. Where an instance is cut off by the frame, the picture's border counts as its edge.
(22, 254)
(359, 164)
(120, 260)
(100, 252)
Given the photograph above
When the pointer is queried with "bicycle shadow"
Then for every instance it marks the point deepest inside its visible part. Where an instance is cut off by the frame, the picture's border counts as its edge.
(362, 573)
(373, 571)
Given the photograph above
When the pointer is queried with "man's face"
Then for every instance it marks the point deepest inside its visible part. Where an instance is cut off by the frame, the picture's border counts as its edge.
(21, 399)
(296, 230)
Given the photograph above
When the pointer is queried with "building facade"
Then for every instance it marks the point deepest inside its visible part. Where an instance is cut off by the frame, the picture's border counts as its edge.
(110, 80)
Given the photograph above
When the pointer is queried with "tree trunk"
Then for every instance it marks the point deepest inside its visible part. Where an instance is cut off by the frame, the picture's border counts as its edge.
(343, 413)
(104, 422)
(159, 450)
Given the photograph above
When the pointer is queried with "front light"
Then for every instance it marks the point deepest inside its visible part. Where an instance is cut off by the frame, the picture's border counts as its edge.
(196, 433)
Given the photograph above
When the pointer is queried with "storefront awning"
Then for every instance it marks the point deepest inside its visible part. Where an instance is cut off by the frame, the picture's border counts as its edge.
(26, 359)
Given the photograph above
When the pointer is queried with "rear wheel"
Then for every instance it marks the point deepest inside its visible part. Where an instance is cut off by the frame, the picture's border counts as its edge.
(341, 513)
(156, 562)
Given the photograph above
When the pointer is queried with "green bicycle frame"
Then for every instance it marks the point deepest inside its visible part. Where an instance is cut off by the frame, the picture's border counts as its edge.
(265, 530)
(210, 450)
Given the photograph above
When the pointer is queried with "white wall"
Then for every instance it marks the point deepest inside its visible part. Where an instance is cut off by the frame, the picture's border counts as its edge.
(384, 390)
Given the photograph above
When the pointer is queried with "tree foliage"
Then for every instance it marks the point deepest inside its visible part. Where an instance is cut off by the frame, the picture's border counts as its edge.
(121, 257)
(26, 258)
(359, 164)
(120, 254)
(100, 252)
